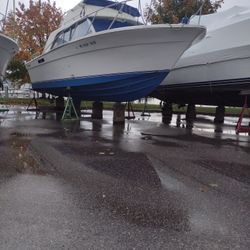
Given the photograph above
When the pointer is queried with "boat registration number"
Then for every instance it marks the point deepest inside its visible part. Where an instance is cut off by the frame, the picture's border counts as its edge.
(84, 45)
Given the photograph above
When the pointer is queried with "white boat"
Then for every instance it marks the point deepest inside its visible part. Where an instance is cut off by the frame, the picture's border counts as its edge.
(216, 70)
(8, 48)
(102, 53)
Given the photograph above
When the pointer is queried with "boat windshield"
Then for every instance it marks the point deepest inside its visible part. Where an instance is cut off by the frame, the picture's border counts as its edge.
(74, 32)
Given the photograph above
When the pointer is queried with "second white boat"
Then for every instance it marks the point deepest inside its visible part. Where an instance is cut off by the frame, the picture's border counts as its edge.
(214, 71)
(8, 48)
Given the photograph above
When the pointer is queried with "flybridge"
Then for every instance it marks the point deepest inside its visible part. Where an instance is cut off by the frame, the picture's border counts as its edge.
(92, 16)
(115, 5)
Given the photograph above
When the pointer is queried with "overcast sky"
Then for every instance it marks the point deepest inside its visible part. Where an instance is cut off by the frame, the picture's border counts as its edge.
(64, 4)
(68, 4)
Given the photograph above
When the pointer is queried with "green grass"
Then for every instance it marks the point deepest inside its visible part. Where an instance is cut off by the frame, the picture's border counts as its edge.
(22, 101)
(109, 105)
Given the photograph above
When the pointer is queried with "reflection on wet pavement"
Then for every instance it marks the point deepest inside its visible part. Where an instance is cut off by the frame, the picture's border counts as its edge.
(91, 185)
(130, 187)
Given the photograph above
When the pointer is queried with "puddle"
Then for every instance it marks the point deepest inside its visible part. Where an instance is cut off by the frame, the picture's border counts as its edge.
(127, 185)
(26, 162)
(129, 166)
(235, 170)
(147, 207)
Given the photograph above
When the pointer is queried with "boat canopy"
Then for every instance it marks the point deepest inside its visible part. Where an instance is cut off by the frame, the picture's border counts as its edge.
(117, 6)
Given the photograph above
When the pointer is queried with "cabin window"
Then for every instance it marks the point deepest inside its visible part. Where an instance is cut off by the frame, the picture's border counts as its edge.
(80, 30)
(66, 37)
(75, 32)
(59, 40)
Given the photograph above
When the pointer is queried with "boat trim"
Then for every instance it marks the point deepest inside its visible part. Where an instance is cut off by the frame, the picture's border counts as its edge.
(217, 83)
(208, 63)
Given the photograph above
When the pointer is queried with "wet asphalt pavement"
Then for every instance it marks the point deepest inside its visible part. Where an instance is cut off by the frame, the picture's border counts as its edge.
(92, 185)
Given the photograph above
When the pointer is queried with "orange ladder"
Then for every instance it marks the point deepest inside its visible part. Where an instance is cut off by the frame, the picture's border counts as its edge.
(239, 128)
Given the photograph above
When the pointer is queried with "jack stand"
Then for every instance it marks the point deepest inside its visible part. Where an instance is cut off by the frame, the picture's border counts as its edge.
(144, 109)
(69, 111)
(130, 110)
(239, 128)
(35, 102)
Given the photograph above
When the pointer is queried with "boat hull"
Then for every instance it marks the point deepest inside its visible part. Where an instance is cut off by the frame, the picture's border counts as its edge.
(217, 83)
(8, 48)
(115, 87)
(142, 55)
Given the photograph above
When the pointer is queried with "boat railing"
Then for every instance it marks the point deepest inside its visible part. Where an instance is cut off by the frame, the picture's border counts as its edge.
(198, 12)
(95, 13)
(2, 21)
(118, 12)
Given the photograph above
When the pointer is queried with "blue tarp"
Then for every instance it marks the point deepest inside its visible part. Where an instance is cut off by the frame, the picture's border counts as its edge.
(126, 8)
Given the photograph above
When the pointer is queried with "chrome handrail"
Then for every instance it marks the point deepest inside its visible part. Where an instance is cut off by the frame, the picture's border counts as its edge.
(199, 11)
(2, 21)
(118, 12)
(105, 7)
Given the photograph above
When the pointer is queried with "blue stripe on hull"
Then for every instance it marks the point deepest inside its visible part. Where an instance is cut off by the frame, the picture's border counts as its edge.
(113, 88)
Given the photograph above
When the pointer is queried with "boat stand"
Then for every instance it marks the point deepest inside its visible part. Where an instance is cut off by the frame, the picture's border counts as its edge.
(33, 100)
(239, 128)
(70, 111)
(131, 114)
(144, 113)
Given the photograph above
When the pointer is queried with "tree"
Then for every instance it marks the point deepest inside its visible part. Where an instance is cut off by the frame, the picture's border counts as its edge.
(17, 71)
(31, 28)
(172, 11)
